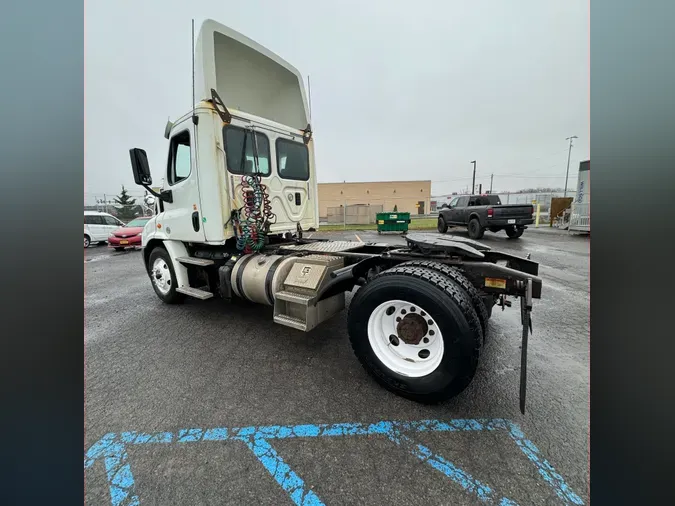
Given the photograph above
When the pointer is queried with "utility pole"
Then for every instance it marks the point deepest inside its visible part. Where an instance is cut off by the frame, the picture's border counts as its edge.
(473, 181)
(491, 177)
(569, 153)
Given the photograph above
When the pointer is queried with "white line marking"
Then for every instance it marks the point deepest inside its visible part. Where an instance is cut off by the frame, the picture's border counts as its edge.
(358, 238)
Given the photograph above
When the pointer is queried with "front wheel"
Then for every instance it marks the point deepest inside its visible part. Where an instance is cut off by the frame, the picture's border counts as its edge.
(160, 270)
(87, 241)
(475, 230)
(415, 331)
(442, 225)
(514, 233)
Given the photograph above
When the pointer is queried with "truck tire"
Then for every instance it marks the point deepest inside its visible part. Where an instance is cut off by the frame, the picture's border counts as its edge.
(456, 275)
(442, 225)
(87, 241)
(475, 230)
(416, 333)
(163, 277)
(514, 233)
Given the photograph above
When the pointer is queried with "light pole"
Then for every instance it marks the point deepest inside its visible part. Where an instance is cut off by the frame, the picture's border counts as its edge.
(569, 153)
(473, 181)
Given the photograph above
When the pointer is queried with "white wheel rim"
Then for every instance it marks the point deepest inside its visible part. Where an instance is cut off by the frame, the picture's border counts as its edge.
(161, 276)
(401, 347)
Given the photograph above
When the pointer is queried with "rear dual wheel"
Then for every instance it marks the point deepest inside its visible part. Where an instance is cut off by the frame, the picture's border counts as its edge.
(456, 275)
(416, 332)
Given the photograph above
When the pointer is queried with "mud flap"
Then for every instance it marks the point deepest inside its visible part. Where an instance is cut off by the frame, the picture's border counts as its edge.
(526, 319)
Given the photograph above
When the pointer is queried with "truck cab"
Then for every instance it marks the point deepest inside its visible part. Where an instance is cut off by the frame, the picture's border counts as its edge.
(228, 143)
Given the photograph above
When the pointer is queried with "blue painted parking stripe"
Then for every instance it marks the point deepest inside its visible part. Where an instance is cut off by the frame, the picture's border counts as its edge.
(281, 471)
(546, 470)
(464, 479)
(120, 480)
(112, 449)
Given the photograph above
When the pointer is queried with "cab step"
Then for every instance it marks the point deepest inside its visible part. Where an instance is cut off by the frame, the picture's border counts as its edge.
(289, 321)
(194, 292)
(296, 298)
(202, 262)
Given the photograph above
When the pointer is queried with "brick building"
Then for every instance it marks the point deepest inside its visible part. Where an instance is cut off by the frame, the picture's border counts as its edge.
(408, 196)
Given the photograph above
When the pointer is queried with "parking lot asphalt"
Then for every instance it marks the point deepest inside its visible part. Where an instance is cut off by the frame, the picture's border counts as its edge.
(212, 403)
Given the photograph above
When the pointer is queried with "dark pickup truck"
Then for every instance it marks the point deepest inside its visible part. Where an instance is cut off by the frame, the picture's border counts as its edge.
(485, 212)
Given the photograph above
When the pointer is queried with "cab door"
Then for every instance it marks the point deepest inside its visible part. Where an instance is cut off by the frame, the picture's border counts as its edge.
(451, 214)
(182, 217)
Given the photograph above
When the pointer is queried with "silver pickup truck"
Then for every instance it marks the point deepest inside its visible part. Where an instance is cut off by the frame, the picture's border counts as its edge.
(485, 212)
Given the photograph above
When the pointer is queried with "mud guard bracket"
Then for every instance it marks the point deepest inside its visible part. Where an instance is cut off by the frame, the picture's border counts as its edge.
(526, 319)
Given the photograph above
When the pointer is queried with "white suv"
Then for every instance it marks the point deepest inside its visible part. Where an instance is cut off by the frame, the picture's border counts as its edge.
(98, 226)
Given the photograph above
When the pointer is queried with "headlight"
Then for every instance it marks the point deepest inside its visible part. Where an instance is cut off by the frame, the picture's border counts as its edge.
(140, 234)
(111, 234)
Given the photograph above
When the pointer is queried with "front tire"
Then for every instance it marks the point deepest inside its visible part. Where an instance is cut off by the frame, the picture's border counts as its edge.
(514, 233)
(390, 318)
(475, 230)
(87, 241)
(163, 276)
(442, 226)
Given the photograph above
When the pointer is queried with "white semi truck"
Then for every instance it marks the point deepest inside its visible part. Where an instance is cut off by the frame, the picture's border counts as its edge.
(239, 189)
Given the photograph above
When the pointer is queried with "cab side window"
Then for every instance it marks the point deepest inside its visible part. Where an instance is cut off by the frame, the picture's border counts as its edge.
(180, 158)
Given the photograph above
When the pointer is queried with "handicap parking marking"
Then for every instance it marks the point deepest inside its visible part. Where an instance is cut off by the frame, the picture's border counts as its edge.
(112, 450)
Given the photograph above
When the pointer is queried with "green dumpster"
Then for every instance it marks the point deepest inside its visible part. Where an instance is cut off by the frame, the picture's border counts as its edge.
(392, 222)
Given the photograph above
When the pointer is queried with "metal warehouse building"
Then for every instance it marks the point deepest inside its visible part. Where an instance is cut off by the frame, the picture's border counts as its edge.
(408, 196)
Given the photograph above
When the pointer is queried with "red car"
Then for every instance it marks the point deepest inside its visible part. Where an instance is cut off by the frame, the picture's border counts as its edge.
(128, 236)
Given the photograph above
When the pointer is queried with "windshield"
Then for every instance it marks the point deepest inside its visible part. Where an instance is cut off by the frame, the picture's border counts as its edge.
(138, 222)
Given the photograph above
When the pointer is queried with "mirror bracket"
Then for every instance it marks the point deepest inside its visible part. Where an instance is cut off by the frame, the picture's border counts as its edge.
(164, 195)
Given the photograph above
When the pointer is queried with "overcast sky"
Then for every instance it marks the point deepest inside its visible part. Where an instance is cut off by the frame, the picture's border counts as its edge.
(400, 90)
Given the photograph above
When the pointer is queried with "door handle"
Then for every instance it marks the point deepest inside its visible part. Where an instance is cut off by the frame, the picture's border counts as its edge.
(195, 221)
